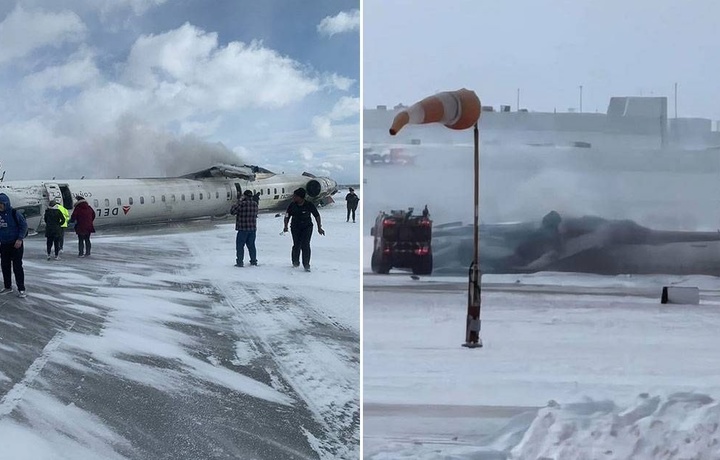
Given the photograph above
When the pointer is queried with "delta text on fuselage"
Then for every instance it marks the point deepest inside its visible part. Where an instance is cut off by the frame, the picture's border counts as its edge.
(206, 193)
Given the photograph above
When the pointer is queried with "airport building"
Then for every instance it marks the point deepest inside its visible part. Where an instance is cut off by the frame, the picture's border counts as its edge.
(630, 122)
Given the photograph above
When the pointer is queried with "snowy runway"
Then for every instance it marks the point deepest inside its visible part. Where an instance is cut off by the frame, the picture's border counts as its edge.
(560, 337)
(175, 353)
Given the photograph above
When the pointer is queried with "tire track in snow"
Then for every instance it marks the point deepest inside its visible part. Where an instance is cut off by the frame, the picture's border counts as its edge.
(310, 350)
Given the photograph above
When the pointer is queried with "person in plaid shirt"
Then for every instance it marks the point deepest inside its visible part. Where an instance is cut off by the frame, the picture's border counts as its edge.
(245, 212)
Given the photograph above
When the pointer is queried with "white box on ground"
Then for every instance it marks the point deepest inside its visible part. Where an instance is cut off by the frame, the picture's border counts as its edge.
(682, 295)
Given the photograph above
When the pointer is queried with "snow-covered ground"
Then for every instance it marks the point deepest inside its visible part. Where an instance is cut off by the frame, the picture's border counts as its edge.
(158, 347)
(548, 337)
(574, 367)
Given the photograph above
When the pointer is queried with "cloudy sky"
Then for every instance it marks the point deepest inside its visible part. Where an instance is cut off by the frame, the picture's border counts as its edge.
(547, 49)
(136, 88)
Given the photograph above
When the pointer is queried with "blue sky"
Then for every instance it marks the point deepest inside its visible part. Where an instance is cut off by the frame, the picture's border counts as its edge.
(135, 88)
(547, 49)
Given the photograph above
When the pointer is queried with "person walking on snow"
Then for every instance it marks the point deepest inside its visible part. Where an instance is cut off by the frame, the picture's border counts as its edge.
(246, 212)
(13, 228)
(300, 211)
(83, 216)
(54, 220)
(66, 215)
(352, 201)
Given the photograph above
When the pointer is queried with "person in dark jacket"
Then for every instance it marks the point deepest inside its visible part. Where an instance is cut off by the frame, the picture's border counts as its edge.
(246, 212)
(54, 220)
(13, 228)
(83, 216)
(300, 211)
(351, 200)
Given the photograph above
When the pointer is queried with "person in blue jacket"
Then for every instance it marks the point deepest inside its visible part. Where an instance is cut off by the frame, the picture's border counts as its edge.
(13, 228)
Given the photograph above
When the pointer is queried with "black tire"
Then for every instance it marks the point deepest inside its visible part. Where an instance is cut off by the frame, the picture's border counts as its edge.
(423, 265)
(378, 265)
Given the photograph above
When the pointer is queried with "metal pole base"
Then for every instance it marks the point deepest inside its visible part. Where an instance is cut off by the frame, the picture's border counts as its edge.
(472, 332)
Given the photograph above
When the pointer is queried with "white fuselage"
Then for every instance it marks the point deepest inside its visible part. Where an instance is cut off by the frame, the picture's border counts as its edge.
(137, 201)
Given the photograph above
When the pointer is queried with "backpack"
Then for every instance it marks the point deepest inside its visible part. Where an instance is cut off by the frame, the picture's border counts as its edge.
(17, 222)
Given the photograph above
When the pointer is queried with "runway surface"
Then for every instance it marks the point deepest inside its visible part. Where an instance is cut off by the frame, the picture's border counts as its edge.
(157, 347)
(547, 337)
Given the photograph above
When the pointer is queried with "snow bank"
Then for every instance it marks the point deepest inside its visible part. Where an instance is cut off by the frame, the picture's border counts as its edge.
(679, 426)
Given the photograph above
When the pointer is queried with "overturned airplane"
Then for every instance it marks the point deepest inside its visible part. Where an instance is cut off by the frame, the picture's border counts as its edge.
(206, 193)
(588, 244)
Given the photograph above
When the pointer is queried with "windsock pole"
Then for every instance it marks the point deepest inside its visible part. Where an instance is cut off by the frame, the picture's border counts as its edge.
(472, 329)
(459, 109)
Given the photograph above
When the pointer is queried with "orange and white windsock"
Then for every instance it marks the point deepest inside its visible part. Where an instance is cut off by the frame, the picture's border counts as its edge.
(455, 109)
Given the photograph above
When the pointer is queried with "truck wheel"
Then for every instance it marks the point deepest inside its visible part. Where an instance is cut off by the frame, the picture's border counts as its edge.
(423, 265)
(377, 264)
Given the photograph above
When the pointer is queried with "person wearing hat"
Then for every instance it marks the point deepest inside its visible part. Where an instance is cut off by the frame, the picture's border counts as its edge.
(352, 200)
(300, 211)
(83, 217)
(54, 220)
(246, 213)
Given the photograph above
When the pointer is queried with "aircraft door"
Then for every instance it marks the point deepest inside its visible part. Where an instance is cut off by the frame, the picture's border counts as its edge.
(67, 199)
(54, 193)
(238, 190)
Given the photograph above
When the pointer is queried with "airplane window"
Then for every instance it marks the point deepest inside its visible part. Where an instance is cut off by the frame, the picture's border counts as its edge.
(142, 200)
(130, 200)
(268, 191)
(152, 198)
(162, 198)
(182, 197)
(107, 202)
(119, 201)
(192, 196)
(96, 203)
(217, 195)
(172, 197)
(283, 189)
(275, 191)
(201, 196)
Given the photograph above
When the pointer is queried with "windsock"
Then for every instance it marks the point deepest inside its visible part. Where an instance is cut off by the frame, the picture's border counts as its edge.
(455, 109)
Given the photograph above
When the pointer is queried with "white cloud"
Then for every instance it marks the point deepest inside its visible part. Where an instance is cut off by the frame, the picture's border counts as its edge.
(332, 166)
(344, 108)
(97, 109)
(306, 153)
(22, 31)
(284, 152)
(336, 81)
(322, 127)
(78, 71)
(343, 22)
(137, 6)
(187, 67)
(173, 90)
